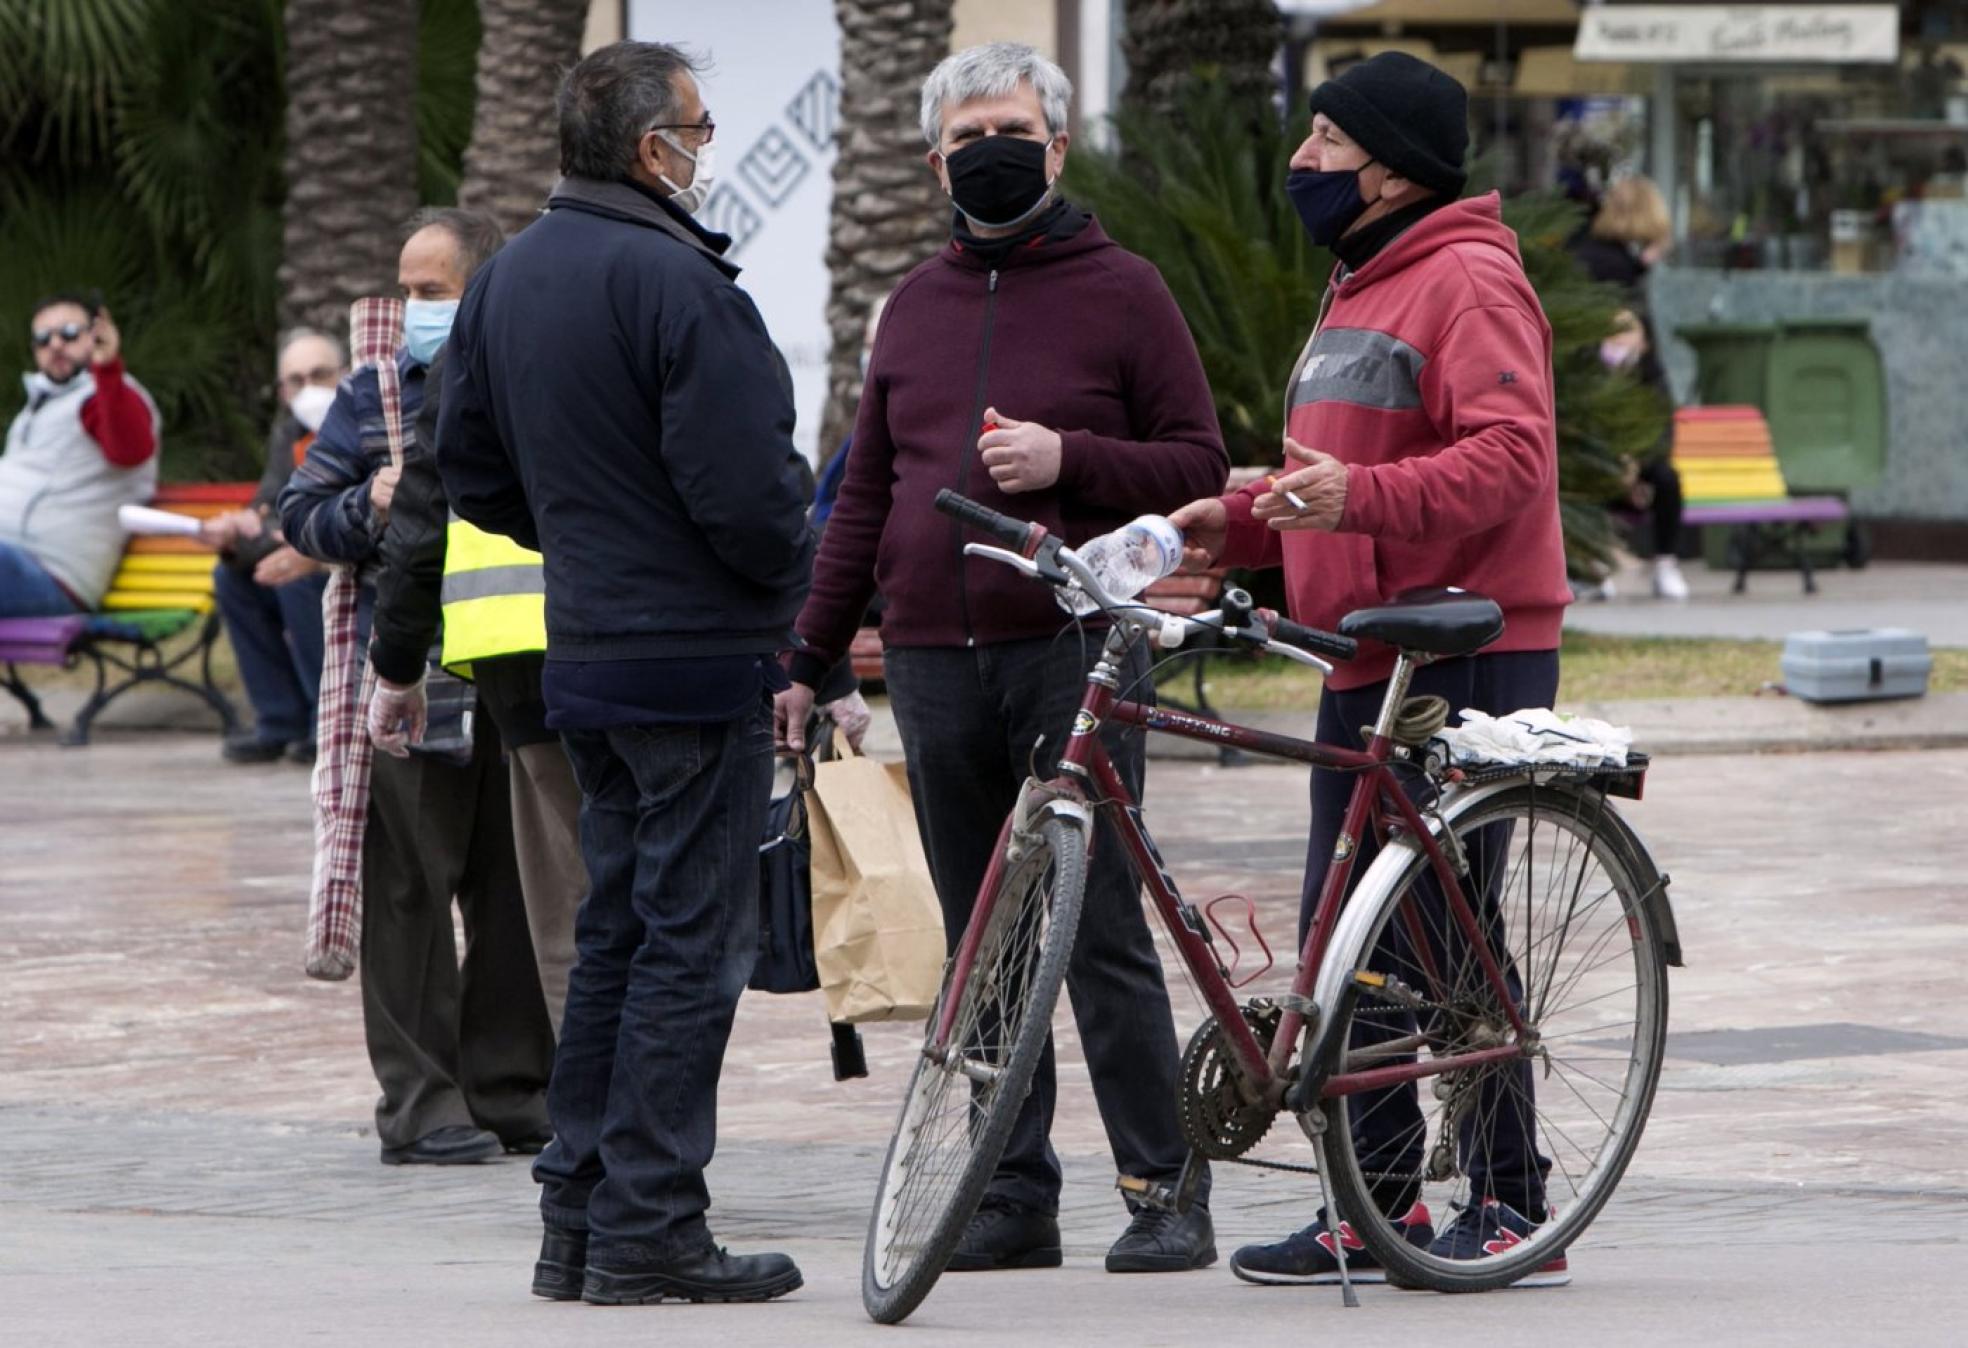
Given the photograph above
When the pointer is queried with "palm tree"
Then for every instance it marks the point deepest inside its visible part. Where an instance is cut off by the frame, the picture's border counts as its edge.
(1169, 42)
(888, 213)
(514, 150)
(351, 153)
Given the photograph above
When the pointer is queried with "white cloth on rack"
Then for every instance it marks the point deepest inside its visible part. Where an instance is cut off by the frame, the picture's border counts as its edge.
(1537, 735)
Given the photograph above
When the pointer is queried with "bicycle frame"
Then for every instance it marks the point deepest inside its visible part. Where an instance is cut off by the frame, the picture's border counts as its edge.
(1087, 775)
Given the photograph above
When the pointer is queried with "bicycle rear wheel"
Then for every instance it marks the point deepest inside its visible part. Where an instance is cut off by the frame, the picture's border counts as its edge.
(1510, 1159)
(963, 1099)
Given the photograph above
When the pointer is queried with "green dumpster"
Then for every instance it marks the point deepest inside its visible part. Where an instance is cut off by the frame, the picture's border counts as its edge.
(1827, 405)
(1732, 362)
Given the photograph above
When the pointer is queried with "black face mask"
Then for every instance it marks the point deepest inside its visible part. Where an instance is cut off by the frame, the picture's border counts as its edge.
(1327, 202)
(999, 182)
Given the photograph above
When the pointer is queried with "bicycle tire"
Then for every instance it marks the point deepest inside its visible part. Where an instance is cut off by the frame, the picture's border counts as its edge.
(910, 1241)
(1580, 1180)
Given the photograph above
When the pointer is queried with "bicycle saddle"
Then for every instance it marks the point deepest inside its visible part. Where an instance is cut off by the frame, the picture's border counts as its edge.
(1435, 621)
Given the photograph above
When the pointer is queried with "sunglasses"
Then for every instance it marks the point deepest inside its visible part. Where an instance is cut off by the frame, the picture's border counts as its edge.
(67, 332)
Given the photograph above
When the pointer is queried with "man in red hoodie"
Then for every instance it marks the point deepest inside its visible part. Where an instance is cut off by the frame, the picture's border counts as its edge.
(1038, 367)
(1420, 416)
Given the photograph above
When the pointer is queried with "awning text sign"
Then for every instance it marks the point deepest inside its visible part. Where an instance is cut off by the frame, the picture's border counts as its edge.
(1760, 33)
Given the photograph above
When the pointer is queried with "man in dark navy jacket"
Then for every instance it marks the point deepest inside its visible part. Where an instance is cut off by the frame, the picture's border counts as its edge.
(1038, 367)
(611, 399)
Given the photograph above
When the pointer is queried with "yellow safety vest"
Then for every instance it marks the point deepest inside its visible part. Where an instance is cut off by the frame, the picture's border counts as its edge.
(495, 598)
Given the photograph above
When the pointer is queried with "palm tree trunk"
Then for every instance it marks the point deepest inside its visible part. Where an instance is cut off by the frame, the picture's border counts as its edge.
(515, 149)
(1169, 42)
(351, 153)
(888, 212)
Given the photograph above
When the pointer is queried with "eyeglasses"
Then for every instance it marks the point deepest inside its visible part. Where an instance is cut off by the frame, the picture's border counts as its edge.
(67, 332)
(707, 126)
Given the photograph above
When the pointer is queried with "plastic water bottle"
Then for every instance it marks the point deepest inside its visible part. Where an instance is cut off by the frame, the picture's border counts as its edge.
(1127, 561)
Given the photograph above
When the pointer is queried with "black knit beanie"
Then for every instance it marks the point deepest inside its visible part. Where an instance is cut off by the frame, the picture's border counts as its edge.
(1405, 113)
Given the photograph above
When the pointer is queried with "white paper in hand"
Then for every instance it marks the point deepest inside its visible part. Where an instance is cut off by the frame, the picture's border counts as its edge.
(137, 519)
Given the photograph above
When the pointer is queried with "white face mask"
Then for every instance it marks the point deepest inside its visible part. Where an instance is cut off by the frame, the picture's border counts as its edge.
(310, 406)
(693, 197)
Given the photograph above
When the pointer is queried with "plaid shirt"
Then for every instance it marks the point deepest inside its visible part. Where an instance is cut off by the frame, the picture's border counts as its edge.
(342, 755)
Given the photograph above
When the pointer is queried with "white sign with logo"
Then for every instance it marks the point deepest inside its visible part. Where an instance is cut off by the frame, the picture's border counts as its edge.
(1811, 34)
(772, 84)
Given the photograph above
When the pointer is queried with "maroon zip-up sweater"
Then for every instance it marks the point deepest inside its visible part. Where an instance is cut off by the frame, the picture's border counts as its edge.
(1077, 334)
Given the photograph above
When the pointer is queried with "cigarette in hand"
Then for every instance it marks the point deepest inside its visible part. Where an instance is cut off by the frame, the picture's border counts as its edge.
(1292, 496)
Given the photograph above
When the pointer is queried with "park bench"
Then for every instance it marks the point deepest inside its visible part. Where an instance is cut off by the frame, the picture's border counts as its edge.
(1730, 479)
(161, 590)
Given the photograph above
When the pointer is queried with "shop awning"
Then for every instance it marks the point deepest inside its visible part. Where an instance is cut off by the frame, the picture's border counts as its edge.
(1750, 34)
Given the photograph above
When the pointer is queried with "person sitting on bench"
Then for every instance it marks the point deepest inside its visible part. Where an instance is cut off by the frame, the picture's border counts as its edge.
(85, 444)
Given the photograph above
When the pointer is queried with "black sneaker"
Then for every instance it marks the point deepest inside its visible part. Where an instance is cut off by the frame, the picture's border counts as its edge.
(1006, 1235)
(301, 751)
(1491, 1227)
(247, 747)
(562, 1265)
(1311, 1256)
(712, 1274)
(1159, 1241)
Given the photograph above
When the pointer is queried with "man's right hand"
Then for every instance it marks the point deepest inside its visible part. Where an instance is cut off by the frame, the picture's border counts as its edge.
(790, 711)
(1205, 526)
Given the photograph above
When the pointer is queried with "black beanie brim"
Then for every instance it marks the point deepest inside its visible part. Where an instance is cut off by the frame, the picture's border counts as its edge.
(1387, 141)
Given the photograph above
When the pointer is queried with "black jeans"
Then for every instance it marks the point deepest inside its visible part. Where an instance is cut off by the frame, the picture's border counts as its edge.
(671, 818)
(1504, 1163)
(975, 723)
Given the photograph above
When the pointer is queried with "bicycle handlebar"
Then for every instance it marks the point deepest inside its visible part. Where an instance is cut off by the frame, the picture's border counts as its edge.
(1015, 534)
(1328, 644)
(1022, 537)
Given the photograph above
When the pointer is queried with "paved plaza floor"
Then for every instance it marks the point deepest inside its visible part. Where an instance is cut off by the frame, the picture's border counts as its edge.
(189, 1158)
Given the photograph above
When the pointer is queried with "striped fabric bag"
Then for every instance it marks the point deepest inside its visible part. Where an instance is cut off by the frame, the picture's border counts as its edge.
(342, 749)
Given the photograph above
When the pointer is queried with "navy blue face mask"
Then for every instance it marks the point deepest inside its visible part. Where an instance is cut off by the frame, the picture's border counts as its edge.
(1328, 202)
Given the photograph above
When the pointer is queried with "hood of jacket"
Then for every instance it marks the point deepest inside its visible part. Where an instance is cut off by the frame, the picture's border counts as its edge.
(1473, 220)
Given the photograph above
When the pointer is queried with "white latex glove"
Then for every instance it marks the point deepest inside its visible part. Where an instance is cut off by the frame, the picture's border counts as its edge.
(851, 714)
(396, 717)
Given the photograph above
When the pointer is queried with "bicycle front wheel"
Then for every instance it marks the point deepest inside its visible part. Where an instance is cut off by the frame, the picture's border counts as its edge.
(965, 1094)
(1511, 1159)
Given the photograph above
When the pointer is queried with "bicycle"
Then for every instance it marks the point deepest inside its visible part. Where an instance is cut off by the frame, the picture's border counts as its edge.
(1536, 1006)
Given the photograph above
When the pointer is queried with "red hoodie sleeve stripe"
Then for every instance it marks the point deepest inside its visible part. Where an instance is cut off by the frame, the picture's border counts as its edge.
(118, 419)
(1490, 386)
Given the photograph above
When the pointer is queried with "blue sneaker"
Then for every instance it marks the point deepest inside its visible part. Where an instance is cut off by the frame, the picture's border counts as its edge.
(1490, 1228)
(1311, 1256)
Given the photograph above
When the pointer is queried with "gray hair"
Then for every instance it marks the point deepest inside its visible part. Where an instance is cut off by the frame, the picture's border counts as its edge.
(476, 234)
(610, 100)
(994, 70)
(302, 334)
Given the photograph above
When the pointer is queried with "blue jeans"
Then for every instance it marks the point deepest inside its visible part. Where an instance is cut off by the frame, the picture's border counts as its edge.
(26, 588)
(671, 819)
(276, 633)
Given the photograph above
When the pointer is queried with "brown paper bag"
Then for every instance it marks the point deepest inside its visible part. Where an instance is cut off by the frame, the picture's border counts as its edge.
(877, 927)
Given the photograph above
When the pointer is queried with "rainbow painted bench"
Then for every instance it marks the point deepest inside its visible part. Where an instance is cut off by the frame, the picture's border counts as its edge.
(161, 590)
(1730, 478)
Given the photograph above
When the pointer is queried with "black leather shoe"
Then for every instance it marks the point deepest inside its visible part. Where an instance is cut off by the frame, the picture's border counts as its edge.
(301, 751)
(563, 1263)
(247, 747)
(1005, 1235)
(711, 1274)
(460, 1144)
(1157, 1241)
(530, 1145)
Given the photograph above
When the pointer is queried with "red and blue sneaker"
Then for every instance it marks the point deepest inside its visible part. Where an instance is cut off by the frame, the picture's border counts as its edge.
(1311, 1256)
(1491, 1228)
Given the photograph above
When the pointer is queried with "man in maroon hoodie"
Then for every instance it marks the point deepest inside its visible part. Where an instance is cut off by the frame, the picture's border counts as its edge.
(1421, 417)
(1035, 366)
